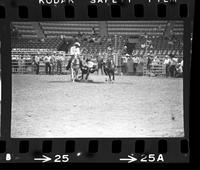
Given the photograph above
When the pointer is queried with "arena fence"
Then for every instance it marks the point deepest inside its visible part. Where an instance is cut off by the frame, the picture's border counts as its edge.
(28, 67)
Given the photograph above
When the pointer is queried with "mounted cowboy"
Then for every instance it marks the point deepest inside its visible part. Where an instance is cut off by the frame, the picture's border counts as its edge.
(109, 67)
(74, 62)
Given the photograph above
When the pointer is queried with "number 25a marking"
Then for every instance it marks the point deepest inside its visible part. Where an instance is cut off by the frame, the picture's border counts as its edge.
(61, 158)
(152, 158)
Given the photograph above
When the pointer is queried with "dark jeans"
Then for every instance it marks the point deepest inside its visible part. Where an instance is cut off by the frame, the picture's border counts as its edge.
(37, 68)
(149, 67)
(172, 70)
(167, 70)
(135, 68)
(59, 68)
(124, 69)
(48, 68)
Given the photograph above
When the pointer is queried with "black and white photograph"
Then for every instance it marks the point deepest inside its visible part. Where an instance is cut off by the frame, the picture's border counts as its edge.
(97, 79)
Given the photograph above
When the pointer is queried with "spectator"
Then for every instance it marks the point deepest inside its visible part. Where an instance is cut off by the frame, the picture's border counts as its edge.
(179, 68)
(135, 64)
(52, 63)
(59, 64)
(167, 63)
(155, 61)
(172, 68)
(37, 63)
(125, 60)
(20, 63)
(130, 65)
(47, 64)
(149, 63)
(140, 65)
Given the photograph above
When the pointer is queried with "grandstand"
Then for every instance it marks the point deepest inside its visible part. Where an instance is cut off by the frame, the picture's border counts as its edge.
(49, 30)
(165, 37)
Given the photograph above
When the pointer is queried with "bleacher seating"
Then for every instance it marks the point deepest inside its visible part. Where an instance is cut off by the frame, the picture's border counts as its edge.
(142, 27)
(25, 29)
(36, 43)
(68, 28)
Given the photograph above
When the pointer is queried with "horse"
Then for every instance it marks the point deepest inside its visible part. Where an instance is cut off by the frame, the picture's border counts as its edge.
(75, 66)
(109, 69)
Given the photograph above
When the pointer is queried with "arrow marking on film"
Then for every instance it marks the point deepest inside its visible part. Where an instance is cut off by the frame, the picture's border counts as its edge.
(44, 159)
(130, 159)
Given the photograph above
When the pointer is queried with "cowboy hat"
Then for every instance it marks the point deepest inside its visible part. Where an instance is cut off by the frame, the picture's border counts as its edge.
(77, 43)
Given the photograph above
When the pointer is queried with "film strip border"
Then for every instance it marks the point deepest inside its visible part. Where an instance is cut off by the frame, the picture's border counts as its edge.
(155, 9)
(95, 150)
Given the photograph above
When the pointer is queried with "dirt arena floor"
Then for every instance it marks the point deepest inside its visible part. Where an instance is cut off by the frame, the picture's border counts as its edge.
(47, 106)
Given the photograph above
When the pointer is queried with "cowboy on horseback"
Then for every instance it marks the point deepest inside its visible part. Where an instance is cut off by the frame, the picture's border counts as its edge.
(75, 62)
(109, 68)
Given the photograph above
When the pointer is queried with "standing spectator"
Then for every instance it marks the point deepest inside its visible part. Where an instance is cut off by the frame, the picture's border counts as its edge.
(135, 64)
(124, 50)
(37, 64)
(167, 63)
(137, 61)
(125, 63)
(140, 65)
(149, 63)
(21, 64)
(122, 65)
(52, 63)
(47, 64)
(59, 64)
(179, 68)
(172, 68)
(130, 65)
(155, 63)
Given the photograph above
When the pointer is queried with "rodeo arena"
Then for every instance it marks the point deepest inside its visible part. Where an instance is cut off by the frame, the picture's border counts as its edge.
(97, 79)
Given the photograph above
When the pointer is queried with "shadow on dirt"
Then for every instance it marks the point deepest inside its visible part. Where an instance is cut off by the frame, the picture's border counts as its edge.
(78, 81)
(59, 82)
(92, 82)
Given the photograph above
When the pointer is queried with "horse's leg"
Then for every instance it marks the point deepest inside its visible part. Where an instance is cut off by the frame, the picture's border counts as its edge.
(82, 75)
(109, 74)
(76, 74)
(72, 74)
(104, 69)
(87, 75)
(113, 75)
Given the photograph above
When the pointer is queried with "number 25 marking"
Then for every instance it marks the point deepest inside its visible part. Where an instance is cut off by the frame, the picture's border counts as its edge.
(63, 158)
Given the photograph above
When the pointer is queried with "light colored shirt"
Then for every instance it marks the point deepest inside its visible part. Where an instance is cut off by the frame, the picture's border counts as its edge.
(75, 51)
(167, 61)
(125, 59)
(174, 61)
(37, 59)
(156, 61)
(182, 63)
(47, 59)
(136, 60)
